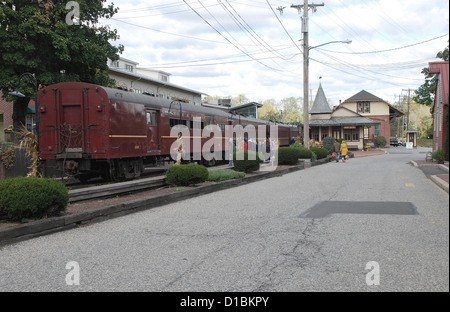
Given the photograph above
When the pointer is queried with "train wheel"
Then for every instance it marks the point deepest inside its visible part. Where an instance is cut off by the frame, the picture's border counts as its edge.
(109, 172)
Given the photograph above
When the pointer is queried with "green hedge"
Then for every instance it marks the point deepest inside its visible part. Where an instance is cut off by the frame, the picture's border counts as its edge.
(218, 175)
(303, 152)
(288, 155)
(246, 161)
(320, 152)
(32, 198)
(186, 174)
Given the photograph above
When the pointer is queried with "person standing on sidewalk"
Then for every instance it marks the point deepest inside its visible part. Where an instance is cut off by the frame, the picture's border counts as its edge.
(343, 150)
(231, 152)
(180, 148)
(337, 149)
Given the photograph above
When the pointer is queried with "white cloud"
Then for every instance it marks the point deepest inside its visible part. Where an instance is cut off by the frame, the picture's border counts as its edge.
(258, 57)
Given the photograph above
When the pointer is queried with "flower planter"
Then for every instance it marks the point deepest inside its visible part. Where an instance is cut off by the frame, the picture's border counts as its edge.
(8, 136)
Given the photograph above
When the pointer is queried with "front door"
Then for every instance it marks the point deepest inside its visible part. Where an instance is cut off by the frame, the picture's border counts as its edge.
(152, 130)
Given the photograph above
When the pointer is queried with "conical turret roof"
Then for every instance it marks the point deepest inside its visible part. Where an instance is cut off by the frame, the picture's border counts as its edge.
(320, 105)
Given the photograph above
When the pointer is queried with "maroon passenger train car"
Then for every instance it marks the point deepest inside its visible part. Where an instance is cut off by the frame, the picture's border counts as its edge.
(88, 130)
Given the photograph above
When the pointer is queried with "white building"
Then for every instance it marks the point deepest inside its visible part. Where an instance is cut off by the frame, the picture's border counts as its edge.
(130, 77)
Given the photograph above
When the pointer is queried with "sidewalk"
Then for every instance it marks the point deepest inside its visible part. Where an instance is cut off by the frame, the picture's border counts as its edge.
(441, 180)
(368, 153)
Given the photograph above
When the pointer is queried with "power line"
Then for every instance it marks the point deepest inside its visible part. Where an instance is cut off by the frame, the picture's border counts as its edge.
(283, 26)
(388, 50)
(237, 47)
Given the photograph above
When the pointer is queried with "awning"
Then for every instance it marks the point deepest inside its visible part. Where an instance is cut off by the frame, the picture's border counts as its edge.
(31, 109)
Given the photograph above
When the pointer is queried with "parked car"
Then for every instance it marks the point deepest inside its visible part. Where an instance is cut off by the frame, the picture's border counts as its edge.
(394, 141)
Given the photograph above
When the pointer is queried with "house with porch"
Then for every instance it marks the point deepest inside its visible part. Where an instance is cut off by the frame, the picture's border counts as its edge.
(370, 106)
(440, 105)
(341, 123)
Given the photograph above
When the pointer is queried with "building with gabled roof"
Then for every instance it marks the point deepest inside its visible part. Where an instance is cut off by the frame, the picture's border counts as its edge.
(342, 123)
(368, 105)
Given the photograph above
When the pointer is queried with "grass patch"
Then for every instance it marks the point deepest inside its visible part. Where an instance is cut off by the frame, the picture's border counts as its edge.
(425, 142)
(224, 174)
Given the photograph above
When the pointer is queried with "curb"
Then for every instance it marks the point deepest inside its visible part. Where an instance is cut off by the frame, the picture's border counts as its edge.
(26, 231)
(438, 181)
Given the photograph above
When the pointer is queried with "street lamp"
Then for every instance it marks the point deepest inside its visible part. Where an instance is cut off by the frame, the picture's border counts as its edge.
(181, 110)
(306, 49)
(20, 94)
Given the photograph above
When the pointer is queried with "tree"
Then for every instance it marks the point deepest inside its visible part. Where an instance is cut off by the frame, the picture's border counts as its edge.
(240, 100)
(269, 111)
(291, 110)
(425, 93)
(55, 43)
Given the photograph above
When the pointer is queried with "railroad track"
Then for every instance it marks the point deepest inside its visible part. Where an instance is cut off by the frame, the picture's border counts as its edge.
(109, 190)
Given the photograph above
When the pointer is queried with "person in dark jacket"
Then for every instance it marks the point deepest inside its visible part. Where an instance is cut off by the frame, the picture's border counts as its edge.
(337, 150)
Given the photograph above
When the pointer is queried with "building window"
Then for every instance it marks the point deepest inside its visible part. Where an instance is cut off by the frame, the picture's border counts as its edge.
(376, 130)
(351, 135)
(314, 134)
(129, 68)
(363, 107)
(164, 78)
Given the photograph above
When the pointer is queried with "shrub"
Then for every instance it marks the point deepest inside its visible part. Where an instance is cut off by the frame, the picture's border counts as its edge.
(438, 155)
(313, 157)
(246, 161)
(320, 152)
(32, 198)
(303, 152)
(186, 174)
(224, 174)
(328, 144)
(288, 155)
(380, 141)
(297, 145)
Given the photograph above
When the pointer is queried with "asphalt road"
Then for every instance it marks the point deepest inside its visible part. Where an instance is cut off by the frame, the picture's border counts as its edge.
(383, 226)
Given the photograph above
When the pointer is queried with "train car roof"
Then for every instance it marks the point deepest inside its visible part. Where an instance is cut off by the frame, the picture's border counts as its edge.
(121, 95)
(149, 100)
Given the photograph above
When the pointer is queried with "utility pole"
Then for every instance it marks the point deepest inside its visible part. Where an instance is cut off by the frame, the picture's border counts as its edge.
(305, 7)
(398, 121)
(407, 116)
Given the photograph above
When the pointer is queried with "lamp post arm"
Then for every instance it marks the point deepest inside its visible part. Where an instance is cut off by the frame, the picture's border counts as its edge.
(343, 41)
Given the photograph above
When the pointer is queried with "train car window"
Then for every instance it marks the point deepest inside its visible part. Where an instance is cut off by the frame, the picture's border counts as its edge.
(151, 119)
(197, 125)
(209, 120)
(174, 122)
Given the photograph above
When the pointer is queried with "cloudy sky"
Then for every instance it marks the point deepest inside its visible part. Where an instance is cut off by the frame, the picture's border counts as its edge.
(232, 47)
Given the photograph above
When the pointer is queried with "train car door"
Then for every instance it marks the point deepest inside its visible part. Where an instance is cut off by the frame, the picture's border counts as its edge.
(153, 143)
(71, 121)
